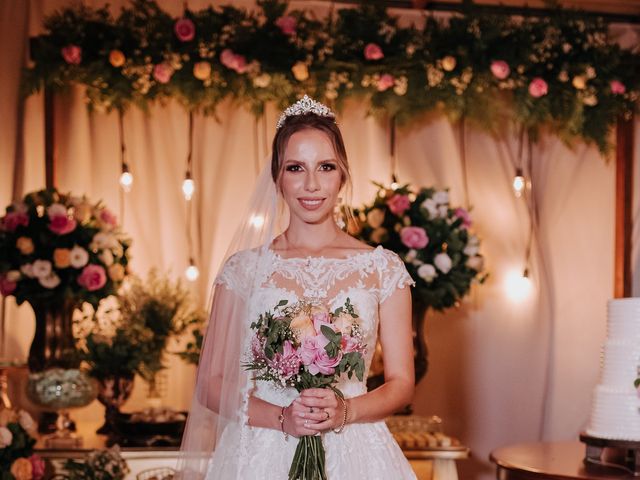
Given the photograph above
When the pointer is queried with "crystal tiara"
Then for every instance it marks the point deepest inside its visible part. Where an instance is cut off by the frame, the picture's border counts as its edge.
(302, 106)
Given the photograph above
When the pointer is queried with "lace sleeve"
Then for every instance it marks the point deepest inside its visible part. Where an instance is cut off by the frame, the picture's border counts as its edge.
(236, 273)
(393, 274)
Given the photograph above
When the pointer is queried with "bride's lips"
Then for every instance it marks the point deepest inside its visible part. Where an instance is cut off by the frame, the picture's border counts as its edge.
(311, 203)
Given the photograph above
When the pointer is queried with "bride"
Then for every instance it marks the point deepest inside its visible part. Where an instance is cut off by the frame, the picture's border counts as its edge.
(251, 426)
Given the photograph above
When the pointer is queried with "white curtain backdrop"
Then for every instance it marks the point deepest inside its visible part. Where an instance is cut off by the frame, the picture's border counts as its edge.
(501, 371)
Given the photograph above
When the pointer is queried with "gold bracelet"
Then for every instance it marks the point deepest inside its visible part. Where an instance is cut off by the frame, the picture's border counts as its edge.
(281, 420)
(344, 415)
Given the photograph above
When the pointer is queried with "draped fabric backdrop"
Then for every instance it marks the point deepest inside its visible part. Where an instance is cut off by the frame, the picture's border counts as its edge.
(501, 371)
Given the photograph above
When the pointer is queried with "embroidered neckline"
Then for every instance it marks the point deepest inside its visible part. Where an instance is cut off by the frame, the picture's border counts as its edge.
(321, 258)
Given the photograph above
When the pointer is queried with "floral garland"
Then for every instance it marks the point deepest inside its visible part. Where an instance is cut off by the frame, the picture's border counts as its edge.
(55, 245)
(432, 238)
(563, 71)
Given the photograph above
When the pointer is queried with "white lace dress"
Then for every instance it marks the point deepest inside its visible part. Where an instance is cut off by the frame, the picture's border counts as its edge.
(363, 450)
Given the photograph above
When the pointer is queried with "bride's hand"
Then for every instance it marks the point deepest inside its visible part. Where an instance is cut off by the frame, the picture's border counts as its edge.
(300, 420)
(327, 409)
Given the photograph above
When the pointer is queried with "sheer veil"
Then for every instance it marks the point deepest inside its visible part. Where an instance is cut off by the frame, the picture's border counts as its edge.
(219, 403)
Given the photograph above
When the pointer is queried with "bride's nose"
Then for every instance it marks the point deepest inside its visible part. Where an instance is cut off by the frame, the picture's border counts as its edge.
(311, 183)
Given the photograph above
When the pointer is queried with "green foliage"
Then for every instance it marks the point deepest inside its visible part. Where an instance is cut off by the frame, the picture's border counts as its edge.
(97, 465)
(444, 66)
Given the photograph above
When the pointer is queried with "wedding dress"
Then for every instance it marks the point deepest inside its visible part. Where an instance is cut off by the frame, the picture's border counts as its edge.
(362, 450)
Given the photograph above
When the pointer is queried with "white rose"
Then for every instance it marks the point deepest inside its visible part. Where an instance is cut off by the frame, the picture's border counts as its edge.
(41, 268)
(430, 206)
(13, 275)
(427, 272)
(375, 217)
(473, 240)
(442, 211)
(100, 240)
(26, 421)
(27, 270)
(107, 257)
(56, 210)
(50, 281)
(443, 262)
(262, 81)
(476, 263)
(441, 197)
(79, 257)
(471, 250)
(6, 437)
(411, 255)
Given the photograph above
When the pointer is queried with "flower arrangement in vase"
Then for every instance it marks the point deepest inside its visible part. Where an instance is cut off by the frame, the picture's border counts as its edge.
(17, 460)
(435, 242)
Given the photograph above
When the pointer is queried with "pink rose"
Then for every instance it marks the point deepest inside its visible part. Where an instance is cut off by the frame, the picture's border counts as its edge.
(93, 277)
(310, 347)
(617, 87)
(386, 81)
(538, 88)
(162, 72)
(185, 30)
(373, 52)
(320, 319)
(287, 24)
(324, 364)
(108, 217)
(72, 54)
(12, 220)
(414, 237)
(61, 224)
(233, 61)
(7, 287)
(500, 69)
(399, 203)
(257, 348)
(38, 467)
(464, 215)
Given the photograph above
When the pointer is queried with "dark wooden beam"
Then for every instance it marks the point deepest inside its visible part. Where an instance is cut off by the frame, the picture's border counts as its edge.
(49, 139)
(624, 204)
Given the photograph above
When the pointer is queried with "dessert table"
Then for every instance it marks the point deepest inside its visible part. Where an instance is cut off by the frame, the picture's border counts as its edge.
(429, 463)
(551, 461)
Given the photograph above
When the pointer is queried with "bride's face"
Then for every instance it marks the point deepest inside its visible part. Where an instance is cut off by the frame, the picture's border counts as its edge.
(310, 180)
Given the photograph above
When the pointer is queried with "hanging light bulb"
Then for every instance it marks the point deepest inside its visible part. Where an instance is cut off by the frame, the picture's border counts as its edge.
(188, 186)
(519, 183)
(394, 183)
(192, 273)
(126, 179)
(518, 286)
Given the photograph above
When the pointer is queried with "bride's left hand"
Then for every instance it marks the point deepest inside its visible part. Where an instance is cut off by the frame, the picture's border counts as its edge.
(322, 400)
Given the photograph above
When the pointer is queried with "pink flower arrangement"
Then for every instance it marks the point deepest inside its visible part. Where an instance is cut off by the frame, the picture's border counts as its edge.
(162, 73)
(185, 30)
(373, 52)
(538, 88)
(414, 237)
(93, 277)
(13, 220)
(108, 217)
(500, 69)
(72, 54)
(617, 87)
(386, 81)
(287, 24)
(464, 215)
(233, 61)
(60, 222)
(399, 203)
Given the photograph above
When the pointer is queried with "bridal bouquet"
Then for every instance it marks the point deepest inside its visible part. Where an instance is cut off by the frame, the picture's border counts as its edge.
(304, 345)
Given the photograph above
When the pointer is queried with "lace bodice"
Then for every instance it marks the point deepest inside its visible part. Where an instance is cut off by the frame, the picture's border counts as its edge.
(367, 279)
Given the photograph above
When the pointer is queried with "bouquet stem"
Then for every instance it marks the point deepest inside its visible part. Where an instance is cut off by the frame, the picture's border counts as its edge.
(308, 461)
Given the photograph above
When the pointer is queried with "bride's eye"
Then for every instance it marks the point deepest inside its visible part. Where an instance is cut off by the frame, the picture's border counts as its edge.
(328, 167)
(293, 168)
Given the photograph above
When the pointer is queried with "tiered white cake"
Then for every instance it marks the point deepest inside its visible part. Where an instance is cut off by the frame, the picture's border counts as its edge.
(616, 405)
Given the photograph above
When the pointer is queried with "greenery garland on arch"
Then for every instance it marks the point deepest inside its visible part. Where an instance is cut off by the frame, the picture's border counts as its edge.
(564, 72)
